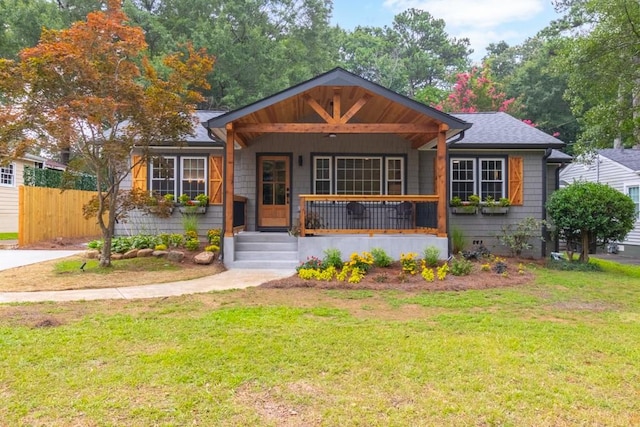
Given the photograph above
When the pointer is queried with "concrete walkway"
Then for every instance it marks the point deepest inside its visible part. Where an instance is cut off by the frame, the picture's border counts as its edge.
(230, 279)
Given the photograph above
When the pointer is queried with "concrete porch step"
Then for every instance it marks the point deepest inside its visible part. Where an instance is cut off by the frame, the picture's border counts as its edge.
(257, 264)
(266, 255)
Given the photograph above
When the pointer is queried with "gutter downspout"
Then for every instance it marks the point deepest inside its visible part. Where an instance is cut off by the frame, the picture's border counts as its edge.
(544, 200)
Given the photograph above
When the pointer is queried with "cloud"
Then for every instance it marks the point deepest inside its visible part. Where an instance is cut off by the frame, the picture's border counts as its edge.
(472, 13)
(481, 21)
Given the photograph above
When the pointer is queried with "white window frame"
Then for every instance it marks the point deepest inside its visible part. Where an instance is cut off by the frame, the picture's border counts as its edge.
(175, 174)
(8, 172)
(474, 174)
(333, 171)
(388, 180)
(204, 179)
(315, 173)
(503, 171)
(627, 187)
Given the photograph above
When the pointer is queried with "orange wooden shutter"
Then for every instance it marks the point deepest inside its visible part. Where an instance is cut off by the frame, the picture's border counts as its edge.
(215, 180)
(516, 181)
(139, 173)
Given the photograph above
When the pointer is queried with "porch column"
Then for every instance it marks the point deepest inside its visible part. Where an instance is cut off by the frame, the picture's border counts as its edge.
(228, 179)
(441, 182)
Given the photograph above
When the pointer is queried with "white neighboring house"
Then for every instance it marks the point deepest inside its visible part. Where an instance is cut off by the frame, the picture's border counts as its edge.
(619, 168)
(11, 178)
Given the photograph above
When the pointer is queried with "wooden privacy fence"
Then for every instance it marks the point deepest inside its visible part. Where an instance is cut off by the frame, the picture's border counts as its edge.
(48, 213)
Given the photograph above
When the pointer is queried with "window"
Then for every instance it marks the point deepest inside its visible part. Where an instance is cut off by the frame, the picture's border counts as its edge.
(192, 176)
(489, 181)
(322, 175)
(194, 173)
(634, 193)
(7, 175)
(163, 178)
(358, 175)
(395, 174)
(463, 178)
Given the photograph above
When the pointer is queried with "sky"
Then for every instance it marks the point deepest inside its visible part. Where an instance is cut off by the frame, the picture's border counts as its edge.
(481, 21)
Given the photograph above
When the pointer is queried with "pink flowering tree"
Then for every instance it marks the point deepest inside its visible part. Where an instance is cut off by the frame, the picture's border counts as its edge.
(475, 91)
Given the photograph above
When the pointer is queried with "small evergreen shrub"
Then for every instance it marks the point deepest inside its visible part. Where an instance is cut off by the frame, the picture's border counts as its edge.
(332, 258)
(461, 266)
(431, 256)
(380, 258)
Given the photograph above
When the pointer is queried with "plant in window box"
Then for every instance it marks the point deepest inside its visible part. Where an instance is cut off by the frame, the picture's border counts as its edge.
(469, 207)
(196, 206)
(492, 207)
(161, 206)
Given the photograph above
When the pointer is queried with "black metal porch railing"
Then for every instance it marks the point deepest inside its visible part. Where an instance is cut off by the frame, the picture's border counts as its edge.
(239, 213)
(368, 214)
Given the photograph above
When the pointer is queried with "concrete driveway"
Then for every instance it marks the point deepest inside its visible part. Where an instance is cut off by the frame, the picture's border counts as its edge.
(10, 258)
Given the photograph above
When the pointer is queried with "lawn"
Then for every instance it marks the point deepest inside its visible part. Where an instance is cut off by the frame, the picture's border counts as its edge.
(563, 350)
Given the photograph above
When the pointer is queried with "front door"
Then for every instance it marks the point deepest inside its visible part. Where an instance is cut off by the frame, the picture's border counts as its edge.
(273, 192)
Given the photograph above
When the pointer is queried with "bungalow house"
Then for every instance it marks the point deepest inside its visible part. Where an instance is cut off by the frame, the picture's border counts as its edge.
(619, 168)
(11, 178)
(341, 162)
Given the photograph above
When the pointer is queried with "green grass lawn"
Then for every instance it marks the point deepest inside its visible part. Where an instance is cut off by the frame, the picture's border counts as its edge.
(564, 350)
(8, 236)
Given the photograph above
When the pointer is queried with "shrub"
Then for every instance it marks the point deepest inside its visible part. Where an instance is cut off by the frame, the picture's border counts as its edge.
(311, 263)
(380, 258)
(175, 240)
(428, 275)
(95, 244)
(458, 240)
(461, 266)
(212, 248)
(499, 266)
(565, 265)
(431, 256)
(144, 241)
(214, 236)
(332, 258)
(517, 236)
(442, 271)
(362, 261)
(192, 244)
(409, 262)
(191, 235)
(160, 247)
(120, 245)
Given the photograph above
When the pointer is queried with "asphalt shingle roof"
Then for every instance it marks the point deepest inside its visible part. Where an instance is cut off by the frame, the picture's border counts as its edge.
(626, 157)
(498, 129)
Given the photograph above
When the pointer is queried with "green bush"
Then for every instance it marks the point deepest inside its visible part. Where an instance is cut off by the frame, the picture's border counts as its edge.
(565, 265)
(36, 177)
(517, 236)
(96, 244)
(461, 266)
(192, 244)
(431, 256)
(381, 258)
(332, 258)
(144, 241)
(121, 245)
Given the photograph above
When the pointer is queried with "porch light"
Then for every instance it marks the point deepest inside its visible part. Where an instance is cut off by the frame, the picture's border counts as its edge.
(332, 135)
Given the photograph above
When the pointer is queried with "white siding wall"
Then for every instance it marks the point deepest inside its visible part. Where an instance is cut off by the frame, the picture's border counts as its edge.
(9, 200)
(606, 172)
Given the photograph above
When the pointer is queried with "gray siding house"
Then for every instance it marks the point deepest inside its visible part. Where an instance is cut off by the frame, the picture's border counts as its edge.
(341, 162)
(620, 169)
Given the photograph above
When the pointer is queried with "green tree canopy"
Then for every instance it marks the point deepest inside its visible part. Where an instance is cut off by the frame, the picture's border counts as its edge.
(584, 211)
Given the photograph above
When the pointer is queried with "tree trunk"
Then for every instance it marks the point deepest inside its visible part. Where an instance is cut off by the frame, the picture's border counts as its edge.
(584, 256)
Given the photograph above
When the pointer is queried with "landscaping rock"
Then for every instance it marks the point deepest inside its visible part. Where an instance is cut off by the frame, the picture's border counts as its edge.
(116, 257)
(142, 253)
(204, 258)
(130, 254)
(92, 254)
(159, 254)
(175, 256)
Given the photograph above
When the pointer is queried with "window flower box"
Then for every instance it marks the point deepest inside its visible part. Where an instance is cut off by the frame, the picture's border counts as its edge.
(495, 210)
(193, 208)
(464, 210)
